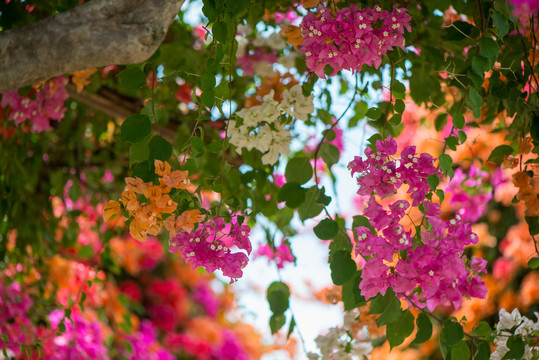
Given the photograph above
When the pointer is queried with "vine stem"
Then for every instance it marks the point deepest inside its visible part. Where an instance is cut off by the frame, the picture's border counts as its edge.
(298, 331)
(227, 122)
(317, 150)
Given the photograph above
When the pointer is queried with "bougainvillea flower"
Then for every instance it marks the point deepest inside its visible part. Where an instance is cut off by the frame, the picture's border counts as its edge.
(111, 209)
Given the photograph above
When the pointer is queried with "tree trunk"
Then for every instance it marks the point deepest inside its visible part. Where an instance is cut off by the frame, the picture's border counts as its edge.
(97, 33)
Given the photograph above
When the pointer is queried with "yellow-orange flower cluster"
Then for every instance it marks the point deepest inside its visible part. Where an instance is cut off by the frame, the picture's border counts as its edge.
(148, 216)
(526, 193)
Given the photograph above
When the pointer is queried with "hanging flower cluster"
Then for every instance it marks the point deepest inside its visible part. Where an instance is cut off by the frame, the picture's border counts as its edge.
(210, 246)
(261, 128)
(148, 216)
(347, 342)
(280, 254)
(526, 192)
(513, 325)
(351, 37)
(47, 104)
(426, 268)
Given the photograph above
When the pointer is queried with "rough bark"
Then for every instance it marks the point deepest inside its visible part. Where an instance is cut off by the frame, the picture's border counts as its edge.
(97, 33)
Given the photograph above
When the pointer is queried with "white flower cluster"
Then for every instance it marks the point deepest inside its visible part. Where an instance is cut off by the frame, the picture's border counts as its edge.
(521, 325)
(340, 344)
(261, 128)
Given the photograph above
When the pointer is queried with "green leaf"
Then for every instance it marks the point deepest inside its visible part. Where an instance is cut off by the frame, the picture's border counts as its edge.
(501, 22)
(342, 267)
(86, 252)
(329, 153)
(533, 263)
(497, 155)
(215, 147)
(298, 170)
(276, 322)
(451, 333)
(461, 351)
(209, 10)
(351, 294)
(135, 128)
(310, 207)
(138, 152)
(533, 224)
(400, 329)
(399, 106)
(433, 181)
(291, 327)
(462, 136)
(424, 329)
(489, 49)
(440, 121)
(441, 195)
(197, 144)
(374, 113)
(360, 110)
(476, 101)
(159, 149)
(132, 77)
(360, 220)
(451, 142)
(482, 329)
(398, 87)
(323, 198)
(483, 351)
(534, 129)
(388, 306)
(424, 86)
(326, 229)
(516, 347)
(208, 98)
(208, 82)
(458, 121)
(446, 163)
(480, 65)
(278, 295)
(293, 194)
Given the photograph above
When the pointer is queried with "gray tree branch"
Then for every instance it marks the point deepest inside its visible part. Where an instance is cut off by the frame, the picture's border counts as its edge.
(97, 33)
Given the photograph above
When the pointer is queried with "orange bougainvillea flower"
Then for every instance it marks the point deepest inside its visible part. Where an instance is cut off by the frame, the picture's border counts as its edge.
(147, 213)
(521, 179)
(187, 220)
(293, 35)
(526, 194)
(80, 78)
(137, 185)
(307, 4)
(177, 179)
(509, 162)
(111, 209)
(532, 206)
(162, 168)
(524, 145)
(138, 230)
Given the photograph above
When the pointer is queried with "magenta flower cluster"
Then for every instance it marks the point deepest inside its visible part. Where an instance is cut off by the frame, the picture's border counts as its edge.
(426, 268)
(470, 193)
(210, 246)
(351, 37)
(280, 254)
(382, 175)
(145, 344)
(14, 323)
(48, 104)
(82, 338)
